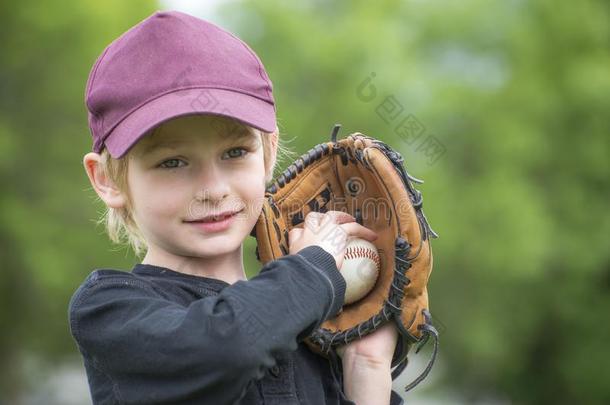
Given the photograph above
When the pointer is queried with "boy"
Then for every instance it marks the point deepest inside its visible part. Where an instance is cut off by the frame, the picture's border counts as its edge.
(184, 141)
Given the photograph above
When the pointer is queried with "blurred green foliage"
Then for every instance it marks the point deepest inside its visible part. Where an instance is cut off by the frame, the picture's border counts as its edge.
(47, 209)
(516, 92)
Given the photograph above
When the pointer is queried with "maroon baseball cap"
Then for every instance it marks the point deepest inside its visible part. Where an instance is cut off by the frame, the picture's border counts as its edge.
(169, 65)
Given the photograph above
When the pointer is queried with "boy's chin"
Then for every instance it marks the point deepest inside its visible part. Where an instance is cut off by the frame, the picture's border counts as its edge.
(216, 246)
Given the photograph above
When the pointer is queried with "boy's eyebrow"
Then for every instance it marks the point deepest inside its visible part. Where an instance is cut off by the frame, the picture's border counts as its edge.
(169, 143)
(240, 135)
(162, 144)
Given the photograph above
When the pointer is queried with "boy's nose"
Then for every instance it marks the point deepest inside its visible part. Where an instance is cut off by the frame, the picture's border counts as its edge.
(213, 184)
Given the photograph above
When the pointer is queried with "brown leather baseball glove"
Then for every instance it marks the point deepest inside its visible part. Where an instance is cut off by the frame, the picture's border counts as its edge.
(365, 178)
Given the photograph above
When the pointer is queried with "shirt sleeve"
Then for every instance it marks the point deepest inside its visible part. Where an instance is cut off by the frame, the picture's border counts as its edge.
(157, 351)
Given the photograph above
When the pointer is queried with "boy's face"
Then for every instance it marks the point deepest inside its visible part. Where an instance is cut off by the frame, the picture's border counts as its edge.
(190, 168)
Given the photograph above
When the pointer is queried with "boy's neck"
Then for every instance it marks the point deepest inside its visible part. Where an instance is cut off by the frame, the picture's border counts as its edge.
(228, 267)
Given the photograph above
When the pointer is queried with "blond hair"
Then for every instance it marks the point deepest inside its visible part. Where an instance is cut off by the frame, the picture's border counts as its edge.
(119, 222)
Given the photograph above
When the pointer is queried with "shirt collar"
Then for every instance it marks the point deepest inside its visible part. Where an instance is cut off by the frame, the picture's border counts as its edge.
(152, 270)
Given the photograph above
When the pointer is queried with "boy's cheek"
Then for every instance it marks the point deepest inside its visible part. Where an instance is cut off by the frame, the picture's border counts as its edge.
(256, 174)
(159, 203)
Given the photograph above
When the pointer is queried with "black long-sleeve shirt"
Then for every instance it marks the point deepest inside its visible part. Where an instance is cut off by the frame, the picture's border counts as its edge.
(157, 336)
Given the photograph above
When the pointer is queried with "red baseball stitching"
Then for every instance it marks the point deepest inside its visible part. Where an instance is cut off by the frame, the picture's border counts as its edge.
(354, 252)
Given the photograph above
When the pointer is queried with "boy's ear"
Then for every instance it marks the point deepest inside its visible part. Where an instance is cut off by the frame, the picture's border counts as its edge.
(103, 186)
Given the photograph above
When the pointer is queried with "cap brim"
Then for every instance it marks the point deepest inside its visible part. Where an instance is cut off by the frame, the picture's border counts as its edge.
(247, 109)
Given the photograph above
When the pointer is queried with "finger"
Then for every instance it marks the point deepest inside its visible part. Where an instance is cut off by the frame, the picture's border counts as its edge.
(315, 214)
(314, 219)
(340, 217)
(356, 230)
(294, 234)
(341, 350)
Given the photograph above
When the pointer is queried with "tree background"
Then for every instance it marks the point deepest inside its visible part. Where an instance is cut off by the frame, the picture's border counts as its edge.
(515, 95)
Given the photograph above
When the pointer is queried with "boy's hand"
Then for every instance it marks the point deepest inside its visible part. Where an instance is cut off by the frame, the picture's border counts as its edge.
(376, 348)
(330, 231)
(367, 377)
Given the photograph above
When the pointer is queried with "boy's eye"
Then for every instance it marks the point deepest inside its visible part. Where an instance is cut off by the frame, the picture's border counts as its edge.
(170, 163)
(234, 153)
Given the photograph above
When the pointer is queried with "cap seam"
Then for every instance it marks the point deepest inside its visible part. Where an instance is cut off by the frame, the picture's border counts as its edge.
(92, 79)
(251, 52)
(257, 60)
(99, 61)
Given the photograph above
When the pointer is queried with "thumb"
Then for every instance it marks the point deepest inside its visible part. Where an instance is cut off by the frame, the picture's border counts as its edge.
(295, 234)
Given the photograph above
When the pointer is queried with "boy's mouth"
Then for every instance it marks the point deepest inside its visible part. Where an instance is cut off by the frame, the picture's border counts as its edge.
(216, 217)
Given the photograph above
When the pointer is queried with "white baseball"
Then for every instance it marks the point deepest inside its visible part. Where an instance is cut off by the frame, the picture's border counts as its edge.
(360, 269)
